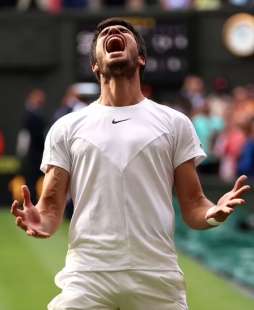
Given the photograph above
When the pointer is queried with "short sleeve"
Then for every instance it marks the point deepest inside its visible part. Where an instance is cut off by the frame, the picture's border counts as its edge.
(187, 143)
(56, 152)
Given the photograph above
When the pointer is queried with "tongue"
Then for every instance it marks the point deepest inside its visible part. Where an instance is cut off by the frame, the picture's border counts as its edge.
(115, 45)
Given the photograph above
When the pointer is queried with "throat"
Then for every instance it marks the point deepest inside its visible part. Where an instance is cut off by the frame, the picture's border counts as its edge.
(121, 91)
(121, 94)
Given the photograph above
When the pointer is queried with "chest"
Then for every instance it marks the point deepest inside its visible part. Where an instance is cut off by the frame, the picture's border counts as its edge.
(121, 138)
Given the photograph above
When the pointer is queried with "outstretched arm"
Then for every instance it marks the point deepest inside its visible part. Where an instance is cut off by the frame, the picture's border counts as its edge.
(196, 208)
(43, 219)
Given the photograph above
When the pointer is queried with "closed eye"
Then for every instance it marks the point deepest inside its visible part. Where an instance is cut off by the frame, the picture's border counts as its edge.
(105, 31)
(124, 30)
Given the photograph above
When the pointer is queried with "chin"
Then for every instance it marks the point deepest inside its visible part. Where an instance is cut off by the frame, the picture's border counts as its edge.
(116, 68)
(118, 63)
(116, 59)
(120, 66)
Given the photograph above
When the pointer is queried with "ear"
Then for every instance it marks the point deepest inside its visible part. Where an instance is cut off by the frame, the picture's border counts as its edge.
(141, 61)
(96, 71)
(95, 68)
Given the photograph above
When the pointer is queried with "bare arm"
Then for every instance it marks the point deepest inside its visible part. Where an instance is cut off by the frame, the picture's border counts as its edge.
(43, 219)
(193, 202)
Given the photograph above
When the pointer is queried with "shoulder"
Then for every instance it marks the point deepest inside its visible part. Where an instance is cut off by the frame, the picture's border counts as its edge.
(70, 120)
(167, 112)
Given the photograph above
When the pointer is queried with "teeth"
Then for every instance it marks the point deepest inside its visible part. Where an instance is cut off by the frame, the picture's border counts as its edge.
(114, 44)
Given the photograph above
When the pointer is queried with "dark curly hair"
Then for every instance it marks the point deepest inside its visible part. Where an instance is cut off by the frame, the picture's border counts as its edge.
(118, 21)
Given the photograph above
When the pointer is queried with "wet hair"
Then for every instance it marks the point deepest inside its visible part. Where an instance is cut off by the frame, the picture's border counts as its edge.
(122, 22)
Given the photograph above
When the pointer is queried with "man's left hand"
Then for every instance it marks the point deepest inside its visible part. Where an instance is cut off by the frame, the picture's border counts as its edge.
(228, 202)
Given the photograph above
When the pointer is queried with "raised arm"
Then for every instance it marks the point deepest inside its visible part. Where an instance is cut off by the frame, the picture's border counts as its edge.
(43, 219)
(195, 207)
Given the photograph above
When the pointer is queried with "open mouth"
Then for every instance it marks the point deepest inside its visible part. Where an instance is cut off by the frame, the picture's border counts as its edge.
(115, 44)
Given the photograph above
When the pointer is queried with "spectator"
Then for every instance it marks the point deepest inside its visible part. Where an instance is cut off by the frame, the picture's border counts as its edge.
(246, 165)
(70, 103)
(194, 90)
(246, 161)
(208, 127)
(228, 147)
(30, 142)
(179, 103)
(243, 105)
(219, 99)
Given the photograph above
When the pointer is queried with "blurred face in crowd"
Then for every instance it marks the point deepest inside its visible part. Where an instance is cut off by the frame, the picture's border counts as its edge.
(194, 85)
(117, 53)
(240, 94)
(36, 98)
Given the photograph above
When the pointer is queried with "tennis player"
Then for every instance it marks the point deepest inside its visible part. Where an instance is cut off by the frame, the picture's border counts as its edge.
(120, 158)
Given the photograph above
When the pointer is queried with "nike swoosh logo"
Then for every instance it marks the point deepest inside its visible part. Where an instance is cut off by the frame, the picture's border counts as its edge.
(121, 120)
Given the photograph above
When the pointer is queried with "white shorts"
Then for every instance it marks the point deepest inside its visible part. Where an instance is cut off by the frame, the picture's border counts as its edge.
(120, 290)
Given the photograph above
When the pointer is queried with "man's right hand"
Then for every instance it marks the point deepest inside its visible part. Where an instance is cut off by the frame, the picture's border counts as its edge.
(29, 218)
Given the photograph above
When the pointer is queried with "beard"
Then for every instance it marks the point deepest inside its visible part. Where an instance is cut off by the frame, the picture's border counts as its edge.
(122, 68)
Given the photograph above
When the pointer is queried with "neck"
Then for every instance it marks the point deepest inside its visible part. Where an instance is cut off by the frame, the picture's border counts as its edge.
(121, 91)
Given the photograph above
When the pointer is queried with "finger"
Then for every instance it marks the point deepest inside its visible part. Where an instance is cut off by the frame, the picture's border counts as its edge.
(240, 182)
(21, 223)
(26, 195)
(242, 190)
(224, 210)
(42, 234)
(221, 214)
(227, 210)
(15, 209)
(30, 232)
(235, 202)
(37, 233)
(220, 210)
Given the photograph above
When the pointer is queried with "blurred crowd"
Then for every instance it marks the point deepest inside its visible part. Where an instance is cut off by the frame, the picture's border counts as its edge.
(224, 121)
(56, 6)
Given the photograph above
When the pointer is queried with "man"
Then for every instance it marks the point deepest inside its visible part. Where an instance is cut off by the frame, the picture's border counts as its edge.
(120, 158)
(30, 140)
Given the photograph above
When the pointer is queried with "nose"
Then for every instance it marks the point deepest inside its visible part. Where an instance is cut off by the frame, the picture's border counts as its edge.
(113, 30)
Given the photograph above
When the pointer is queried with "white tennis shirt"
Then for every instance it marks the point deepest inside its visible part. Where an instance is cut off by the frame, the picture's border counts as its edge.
(121, 162)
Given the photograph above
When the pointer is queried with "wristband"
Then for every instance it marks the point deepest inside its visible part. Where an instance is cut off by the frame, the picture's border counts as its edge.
(211, 220)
